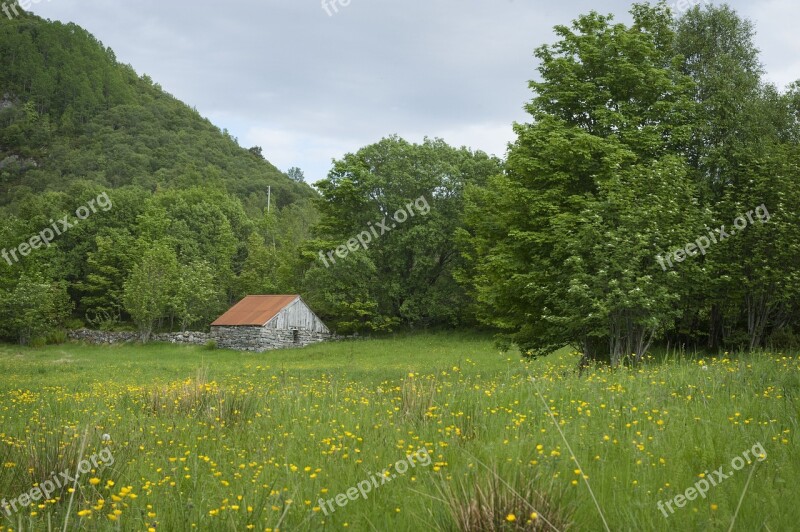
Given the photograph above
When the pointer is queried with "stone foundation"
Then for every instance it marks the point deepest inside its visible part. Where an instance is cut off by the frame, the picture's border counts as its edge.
(244, 338)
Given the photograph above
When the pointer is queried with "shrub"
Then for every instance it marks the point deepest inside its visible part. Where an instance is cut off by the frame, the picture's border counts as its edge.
(36, 307)
(38, 342)
(74, 323)
(57, 337)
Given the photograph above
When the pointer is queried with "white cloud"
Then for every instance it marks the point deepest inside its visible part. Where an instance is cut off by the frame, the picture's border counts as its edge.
(777, 38)
(308, 87)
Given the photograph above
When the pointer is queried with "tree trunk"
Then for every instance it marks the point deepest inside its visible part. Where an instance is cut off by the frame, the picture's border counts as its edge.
(715, 332)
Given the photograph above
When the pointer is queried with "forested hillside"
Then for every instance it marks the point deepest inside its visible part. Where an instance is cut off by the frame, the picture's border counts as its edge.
(76, 126)
(71, 112)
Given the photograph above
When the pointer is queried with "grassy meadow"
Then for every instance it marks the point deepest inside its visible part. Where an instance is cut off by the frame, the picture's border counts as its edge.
(219, 440)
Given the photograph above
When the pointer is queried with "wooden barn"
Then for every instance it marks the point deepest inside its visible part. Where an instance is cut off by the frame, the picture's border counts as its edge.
(260, 323)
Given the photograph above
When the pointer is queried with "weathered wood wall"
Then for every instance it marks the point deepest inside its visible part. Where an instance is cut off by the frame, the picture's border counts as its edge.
(298, 315)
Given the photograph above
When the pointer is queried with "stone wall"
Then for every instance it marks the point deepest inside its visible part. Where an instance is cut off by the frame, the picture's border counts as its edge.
(102, 337)
(238, 338)
(244, 338)
(188, 337)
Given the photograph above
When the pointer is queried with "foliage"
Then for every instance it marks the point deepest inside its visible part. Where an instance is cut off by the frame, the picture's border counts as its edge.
(197, 295)
(295, 174)
(642, 137)
(148, 292)
(564, 258)
(404, 272)
(35, 308)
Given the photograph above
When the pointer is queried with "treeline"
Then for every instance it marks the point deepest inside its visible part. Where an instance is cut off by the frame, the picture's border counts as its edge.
(652, 198)
(176, 258)
(645, 140)
(173, 259)
(75, 123)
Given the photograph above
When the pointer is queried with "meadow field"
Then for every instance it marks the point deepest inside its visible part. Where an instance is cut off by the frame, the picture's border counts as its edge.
(188, 438)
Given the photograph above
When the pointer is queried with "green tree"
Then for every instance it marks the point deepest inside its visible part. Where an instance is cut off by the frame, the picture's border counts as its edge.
(295, 174)
(256, 151)
(197, 296)
(107, 268)
(565, 242)
(258, 273)
(744, 127)
(412, 195)
(35, 308)
(150, 289)
(344, 296)
(718, 52)
(620, 291)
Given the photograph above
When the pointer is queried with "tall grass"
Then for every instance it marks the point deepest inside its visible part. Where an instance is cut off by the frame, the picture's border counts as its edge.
(219, 440)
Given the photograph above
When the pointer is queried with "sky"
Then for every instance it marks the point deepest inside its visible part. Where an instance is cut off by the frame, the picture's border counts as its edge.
(312, 80)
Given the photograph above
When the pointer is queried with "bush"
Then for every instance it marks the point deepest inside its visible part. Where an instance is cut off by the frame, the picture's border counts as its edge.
(37, 342)
(35, 308)
(57, 337)
(211, 345)
(74, 323)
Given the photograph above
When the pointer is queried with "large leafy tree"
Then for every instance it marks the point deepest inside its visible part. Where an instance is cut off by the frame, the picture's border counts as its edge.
(107, 268)
(742, 155)
(718, 53)
(259, 271)
(417, 191)
(565, 242)
(344, 295)
(197, 296)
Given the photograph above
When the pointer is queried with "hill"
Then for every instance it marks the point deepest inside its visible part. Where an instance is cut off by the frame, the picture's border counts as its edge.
(141, 183)
(70, 111)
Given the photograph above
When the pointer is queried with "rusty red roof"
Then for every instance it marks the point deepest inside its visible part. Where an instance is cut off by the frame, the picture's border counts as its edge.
(254, 310)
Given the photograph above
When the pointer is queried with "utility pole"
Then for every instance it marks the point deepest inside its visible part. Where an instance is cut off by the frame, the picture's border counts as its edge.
(269, 203)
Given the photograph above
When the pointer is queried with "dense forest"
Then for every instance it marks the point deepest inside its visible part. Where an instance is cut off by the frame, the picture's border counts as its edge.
(652, 198)
(75, 124)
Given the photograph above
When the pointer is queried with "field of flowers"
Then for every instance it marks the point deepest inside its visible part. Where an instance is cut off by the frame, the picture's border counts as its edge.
(195, 439)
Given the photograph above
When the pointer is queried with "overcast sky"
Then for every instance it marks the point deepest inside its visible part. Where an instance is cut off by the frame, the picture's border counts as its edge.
(309, 83)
